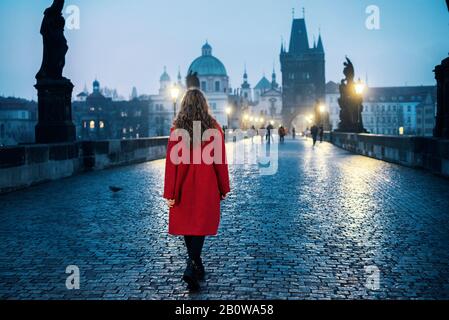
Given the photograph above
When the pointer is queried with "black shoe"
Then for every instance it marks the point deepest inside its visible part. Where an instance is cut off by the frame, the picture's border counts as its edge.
(190, 277)
(199, 270)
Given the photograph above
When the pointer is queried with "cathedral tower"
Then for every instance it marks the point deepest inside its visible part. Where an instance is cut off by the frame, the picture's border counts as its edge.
(303, 73)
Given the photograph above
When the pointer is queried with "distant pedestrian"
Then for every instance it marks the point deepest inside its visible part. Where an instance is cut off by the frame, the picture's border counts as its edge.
(294, 133)
(252, 133)
(281, 133)
(262, 132)
(314, 132)
(269, 133)
(321, 134)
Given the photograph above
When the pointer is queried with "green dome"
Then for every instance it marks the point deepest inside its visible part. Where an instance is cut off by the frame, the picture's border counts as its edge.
(165, 77)
(207, 64)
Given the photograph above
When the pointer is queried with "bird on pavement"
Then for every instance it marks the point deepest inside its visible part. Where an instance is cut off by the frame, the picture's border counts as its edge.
(115, 189)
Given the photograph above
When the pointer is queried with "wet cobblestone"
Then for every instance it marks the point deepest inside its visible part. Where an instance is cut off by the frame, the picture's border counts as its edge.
(306, 233)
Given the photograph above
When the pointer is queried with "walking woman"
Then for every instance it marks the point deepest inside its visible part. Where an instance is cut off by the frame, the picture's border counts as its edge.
(194, 190)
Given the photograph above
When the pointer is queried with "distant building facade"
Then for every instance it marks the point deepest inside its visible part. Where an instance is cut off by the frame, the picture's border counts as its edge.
(18, 118)
(303, 75)
(408, 110)
(97, 117)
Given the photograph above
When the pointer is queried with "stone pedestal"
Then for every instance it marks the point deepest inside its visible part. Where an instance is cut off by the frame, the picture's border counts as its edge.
(442, 120)
(55, 111)
(351, 108)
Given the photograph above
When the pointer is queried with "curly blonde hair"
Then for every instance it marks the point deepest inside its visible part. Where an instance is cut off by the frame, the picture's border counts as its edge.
(194, 107)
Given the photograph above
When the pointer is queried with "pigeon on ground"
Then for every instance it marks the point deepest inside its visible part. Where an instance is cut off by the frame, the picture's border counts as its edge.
(115, 189)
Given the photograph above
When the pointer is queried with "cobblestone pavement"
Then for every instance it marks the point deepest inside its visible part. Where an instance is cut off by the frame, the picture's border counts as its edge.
(307, 232)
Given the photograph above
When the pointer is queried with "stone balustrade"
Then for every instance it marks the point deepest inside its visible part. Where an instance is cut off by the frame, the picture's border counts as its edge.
(26, 165)
(417, 152)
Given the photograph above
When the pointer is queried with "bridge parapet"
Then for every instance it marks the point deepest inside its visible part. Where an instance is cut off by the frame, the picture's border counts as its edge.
(417, 152)
(26, 165)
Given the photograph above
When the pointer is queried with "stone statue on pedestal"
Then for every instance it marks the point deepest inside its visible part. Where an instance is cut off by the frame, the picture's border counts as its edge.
(442, 119)
(55, 43)
(350, 102)
(54, 91)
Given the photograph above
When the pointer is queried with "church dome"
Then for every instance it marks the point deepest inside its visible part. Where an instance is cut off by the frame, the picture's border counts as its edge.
(207, 64)
(165, 77)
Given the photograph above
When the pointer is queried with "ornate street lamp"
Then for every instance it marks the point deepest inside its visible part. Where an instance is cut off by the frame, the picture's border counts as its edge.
(228, 113)
(174, 92)
(360, 88)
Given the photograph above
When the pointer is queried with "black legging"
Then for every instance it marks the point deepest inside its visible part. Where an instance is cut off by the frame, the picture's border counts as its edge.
(194, 246)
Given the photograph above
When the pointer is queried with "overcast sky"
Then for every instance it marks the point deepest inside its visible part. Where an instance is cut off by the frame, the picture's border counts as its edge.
(127, 43)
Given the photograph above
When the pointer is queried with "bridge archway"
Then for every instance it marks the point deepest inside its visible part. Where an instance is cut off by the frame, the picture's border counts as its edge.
(301, 120)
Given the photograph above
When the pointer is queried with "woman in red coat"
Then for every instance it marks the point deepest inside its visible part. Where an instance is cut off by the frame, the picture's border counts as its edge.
(196, 179)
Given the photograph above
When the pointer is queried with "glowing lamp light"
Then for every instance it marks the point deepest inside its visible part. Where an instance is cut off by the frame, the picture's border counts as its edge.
(401, 131)
(228, 110)
(360, 88)
(174, 92)
(322, 108)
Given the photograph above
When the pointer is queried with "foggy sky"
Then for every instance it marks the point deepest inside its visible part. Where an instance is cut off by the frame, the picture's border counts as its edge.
(127, 43)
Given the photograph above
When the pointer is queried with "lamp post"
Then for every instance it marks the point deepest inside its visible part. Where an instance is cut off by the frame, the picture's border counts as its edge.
(323, 110)
(228, 113)
(360, 90)
(174, 92)
(245, 121)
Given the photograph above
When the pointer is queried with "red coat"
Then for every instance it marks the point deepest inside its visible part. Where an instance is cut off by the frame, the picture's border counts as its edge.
(197, 190)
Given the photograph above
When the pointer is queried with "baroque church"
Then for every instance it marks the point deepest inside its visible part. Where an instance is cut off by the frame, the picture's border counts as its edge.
(214, 83)
(264, 101)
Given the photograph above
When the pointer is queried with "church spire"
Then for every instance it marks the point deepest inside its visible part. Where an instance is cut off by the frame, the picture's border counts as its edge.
(299, 41)
(179, 76)
(274, 84)
(320, 46)
(245, 84)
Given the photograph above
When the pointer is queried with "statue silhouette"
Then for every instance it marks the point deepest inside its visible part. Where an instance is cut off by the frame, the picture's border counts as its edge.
(55, 43)
(350, 102)
(192, 80)
(348, 71)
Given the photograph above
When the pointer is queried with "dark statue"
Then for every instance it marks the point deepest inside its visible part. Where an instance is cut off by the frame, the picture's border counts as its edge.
(54, 91)
(192, 81)
(55, 43)
(442, 119)
(350, 102)
(348, 71)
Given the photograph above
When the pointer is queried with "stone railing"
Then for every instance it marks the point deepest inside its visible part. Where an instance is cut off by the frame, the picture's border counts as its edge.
(417, 152)
(27, 165)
